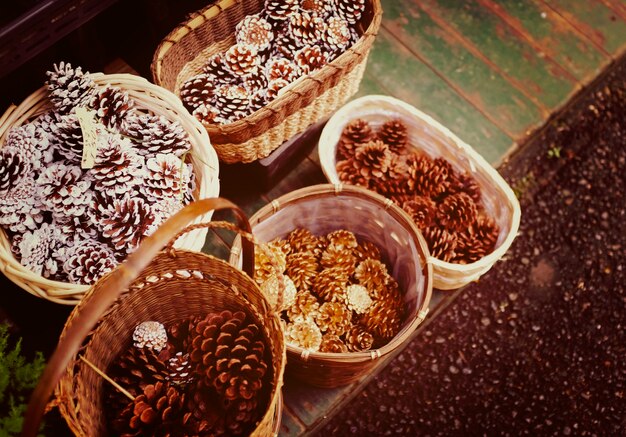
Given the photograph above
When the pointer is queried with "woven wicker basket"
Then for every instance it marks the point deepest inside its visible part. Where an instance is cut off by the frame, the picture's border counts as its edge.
(153, 284)
(312, 98)
(430, 136)
(148, 97)
(326, 208)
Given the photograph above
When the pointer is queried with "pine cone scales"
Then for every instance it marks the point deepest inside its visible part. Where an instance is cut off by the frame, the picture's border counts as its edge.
(457, 211)
(137, 368)
(441, 243)
(350, 10)
(330, 284)
(373, 159)
(394, 134)
(311, 58)
(167, 178)
(334, 318)
(88, 262)
(306, 28)
(126, 222)
(254, 31)
(156, 135)
(62, 190)
(241, 59)
(358, 339)
(302, 268)
(280, 9)
(196, 91)
(13, 166)
(112, 105)
(67, 138)
(69, 87)
(117, 168)
(356, 132)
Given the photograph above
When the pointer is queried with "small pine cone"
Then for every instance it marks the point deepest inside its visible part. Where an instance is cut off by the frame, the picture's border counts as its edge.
(441, 243)
(126, 222)
(196, 91)
(67, 138)
(232, 102)
(217, 71)
(358, 339)
(282, 68)
(258, 100)
(279, 10)
(343, 260)
(373, 275)
(394, 134)
(304, 333)
(348, 172)
(69, 87)
(179, 369)
(321, 8)
(151, 335)
(334, 318)
(155, 134)
(35, 249)
(306, 28)
(476, 241)
(207, 114)
(425, 178)
(88, 261)
(373, 159)
(366, 249)
(306, 306)
(350, 10)
(255, 81)
(241, 59)
(383, 320)
(358, 298)
(284, 45)
(333, 344)
(342, 239)
(302, 268)
(112, 105)
(465, 183)
(456, 212)
(167, 177)
(330, 285)
(254, 31)
(20, 209)
(136, 368)
(421, 209)
(277, 289)
(337, 35)
(63, 191)
(157, 411)
(356, 132)
(269, 260)
(275, 89)
(302, 240)
(118, 169)
(13, 168)
(311, 58)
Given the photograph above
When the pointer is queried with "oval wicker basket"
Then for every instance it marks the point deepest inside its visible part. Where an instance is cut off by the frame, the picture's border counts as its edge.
(326, 208)
(310, 99)
(154, 283)
(147, 96)
(431, 137)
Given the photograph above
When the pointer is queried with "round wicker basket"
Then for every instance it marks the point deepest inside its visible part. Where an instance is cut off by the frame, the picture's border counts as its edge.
(326, 208)
(431, 137)
(153, 284)
(148, 97)
(183, 53)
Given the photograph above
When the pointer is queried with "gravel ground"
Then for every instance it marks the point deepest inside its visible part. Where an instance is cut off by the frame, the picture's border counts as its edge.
(538, 345)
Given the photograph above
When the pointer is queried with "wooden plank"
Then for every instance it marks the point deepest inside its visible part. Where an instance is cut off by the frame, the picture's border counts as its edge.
(307, 173)
(550, 34)
(496, 97)
(596, 21)
(290, 426)
(485, 33)
(406, 78)
(618, 6)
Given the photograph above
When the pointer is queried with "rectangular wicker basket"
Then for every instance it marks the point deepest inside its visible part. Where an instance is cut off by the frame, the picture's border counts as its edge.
(309, 99)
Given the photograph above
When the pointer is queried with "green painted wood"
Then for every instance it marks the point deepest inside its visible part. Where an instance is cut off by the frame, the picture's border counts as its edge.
(618, 6)
(486, 33)
(470, 76)
(407, 78)
(549, 33)
(369, 85)
(596, 21)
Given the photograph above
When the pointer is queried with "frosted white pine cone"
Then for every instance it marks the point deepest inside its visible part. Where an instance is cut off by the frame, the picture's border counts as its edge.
(156, 134)
(126, 221)
(36, 247)
(166, 177)
(86, 262)
(33, 143)
(118, 168)
(358, 298)
(69, 87)
(63, 191)
(14, 166)
(151, 335)
(20, 208)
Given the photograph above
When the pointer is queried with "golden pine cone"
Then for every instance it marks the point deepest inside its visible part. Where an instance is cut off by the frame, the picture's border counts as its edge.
(373, 275)
(383, 320)
(269, 260)
(366, 249)
(342, 239)
(302, 268)
(333, 344)
(373, 159)
(348, 173)
(330, 284)
(394, 134)
(456, 212)
(441, 243)
(304, 333)
(477, 241)
(334, 318)
(305, 306)
(356, 132)
(342, 259)
(358, 339)
(274, 286)
(358, 298)
(302, 240)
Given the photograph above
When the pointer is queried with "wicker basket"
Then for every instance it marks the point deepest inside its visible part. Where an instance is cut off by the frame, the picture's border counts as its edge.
(147, 96)
(312, 98)
(167, 286)
(428, 135)
(323, 209)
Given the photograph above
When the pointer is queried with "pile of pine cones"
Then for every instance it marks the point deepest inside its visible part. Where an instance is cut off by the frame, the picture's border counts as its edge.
(204, 376)
(286, 40)
(443, 202)
(73, 224)
(334, 292)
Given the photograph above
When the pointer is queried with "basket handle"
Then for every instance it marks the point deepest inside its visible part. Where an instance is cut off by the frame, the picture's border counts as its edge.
(113, 285)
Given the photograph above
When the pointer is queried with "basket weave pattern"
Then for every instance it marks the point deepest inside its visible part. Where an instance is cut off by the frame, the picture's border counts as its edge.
(184, 51)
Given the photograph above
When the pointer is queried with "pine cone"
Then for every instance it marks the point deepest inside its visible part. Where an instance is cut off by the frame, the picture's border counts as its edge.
(372, 159)
(281, 68)
(425, 178)
(330, 284)
(321, 8)
(306, 28)
(67, 138)
(421, 209)
(241, 59)
(302, 268)
(112, 105)
(269, 260)
(207, 114)
(167, 177)
(180, 369)
(196, 91)
(205, 411)
(232, 102)
(348, 172)
(383, 320)
(217, 71)
(88, 261)
(366, 249)
(63, 191)
(254, 31)
(36, 247)
(465, 183)
(258, 100)
(274, 286)
(151, 335)
(441, 243)
(334, 318)
(69, 87)
(306, 306)
(32, 140)
(279, 10)
(304, 333)
(275, 89)
(358, 339)
(358, 298)
(456, 212)
(135, 369)
(311, 58)
(118, 168)
(373, 275)
(333, 344)
(476, 241)
(127, 222)
(302, 240)
(241, 416)
(20, 209)
(154, 134)
(285, 45)
(13, 168)
(394, 134)
(350, 10)
(341, 259)
(356, 132)
(256, 81)
(337, 36)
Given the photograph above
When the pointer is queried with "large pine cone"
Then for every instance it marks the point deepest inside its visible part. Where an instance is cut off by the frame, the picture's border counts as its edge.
(137, 368)
(302, 268)
(421, 209)
(330, 284)
(356, 132)
(13, 167)
(69, 87)
(127, 222)
(476, 241)
(167, 177)
(306, 28)
(311, 58)
(112, 105)
(154, 134)
(241, 59)
(62, 190)
(118, 168)
(254, 31)
(456, 212)
(88, 261)
(394, 134)
(279, 10)
(425, 178)
(350, 10)
(441, 243)
(196, 91)
(334, 318)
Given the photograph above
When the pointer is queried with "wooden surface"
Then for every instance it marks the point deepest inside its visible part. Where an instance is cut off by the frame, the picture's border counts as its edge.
(492, 71)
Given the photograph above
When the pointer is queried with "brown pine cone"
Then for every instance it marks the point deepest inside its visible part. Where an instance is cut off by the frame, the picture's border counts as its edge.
(196, 91)
(456, 212)
(366, 249)
(311, 58)
(358, 339)
(241, 59)
(304, 333)
(342, 239)
(394, 134)
(87, 262)
(383, 320)
(350, 10)
(306, 306)
(302, 240)
(112, 105)
(207, 114)
(465, 183)
(269, 260)
(136, 368)
(334, 318)
(180, 369)
(205, 411)
(284, 45)
(356, 132)
(282, 68)
(127, 222)
(441, 243)
(254, 31)
(373, 159)
(241, 416)
(302, 267)
(217, 71)
(425, 178)
(373, 275)
(476, 241)
(421, 209)
(69, 87)
(330, 284)
(306, 28)
(333, 344)
(255, 81)
(279, 10)
(348, 172)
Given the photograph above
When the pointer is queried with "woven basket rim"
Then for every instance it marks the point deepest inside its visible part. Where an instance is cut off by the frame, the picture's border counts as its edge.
(327, 152)
(36, 103)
